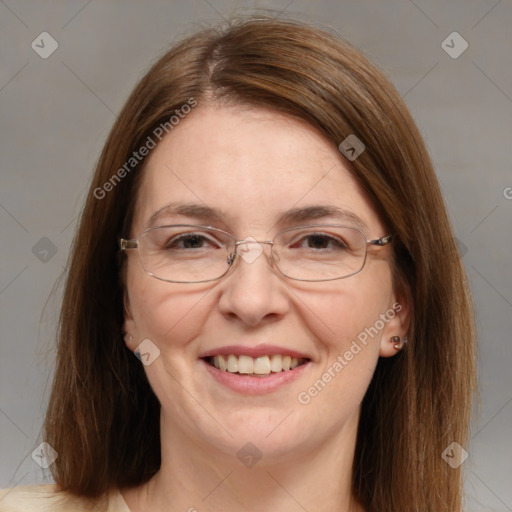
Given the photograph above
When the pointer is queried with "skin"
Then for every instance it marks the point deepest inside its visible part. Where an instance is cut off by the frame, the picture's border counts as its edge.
(254, 164)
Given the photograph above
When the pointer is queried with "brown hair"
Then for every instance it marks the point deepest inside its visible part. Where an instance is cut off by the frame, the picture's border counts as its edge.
(103, 418)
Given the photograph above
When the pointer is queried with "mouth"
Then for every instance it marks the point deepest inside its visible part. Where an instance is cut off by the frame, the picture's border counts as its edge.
(261, 366)
(255, 369)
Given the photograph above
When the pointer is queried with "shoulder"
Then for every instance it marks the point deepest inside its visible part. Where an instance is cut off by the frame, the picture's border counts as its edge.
(41, 498)
(48, 498)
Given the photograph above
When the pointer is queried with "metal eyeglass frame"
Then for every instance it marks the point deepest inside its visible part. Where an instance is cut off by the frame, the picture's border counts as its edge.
(128, 244)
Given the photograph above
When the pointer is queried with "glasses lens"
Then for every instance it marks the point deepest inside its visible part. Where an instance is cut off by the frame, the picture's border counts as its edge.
(320, 253)
(184, 253)
(188, 254)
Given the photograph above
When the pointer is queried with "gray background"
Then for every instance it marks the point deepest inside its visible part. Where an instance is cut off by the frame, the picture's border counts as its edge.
(56, 113)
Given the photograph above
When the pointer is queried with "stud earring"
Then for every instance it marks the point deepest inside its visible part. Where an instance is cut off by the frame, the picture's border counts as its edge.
(398, 343)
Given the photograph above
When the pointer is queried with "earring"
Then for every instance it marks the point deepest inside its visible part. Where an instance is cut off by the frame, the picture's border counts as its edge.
(398, 343)
(128, 337)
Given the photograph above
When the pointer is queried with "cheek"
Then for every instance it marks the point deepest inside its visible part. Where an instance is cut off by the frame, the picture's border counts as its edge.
(166, 311)
(348, 311)
(343, 321)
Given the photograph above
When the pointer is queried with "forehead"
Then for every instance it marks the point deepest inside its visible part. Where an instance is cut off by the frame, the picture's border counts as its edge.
(250, 164)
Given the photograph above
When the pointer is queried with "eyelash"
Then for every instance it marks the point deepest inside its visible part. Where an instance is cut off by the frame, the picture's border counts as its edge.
(177, 239)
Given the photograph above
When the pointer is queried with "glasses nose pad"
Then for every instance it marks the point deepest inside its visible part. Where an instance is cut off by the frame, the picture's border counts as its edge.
(274, 257)
(271, 256)
(230, 259)
(252, 251)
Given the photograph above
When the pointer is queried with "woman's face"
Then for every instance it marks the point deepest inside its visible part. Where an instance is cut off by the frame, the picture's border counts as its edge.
(252, 166)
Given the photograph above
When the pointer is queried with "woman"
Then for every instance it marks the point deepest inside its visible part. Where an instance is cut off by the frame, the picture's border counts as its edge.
(265, 232)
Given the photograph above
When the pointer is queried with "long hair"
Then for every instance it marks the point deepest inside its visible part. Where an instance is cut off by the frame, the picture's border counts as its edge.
(103, 418)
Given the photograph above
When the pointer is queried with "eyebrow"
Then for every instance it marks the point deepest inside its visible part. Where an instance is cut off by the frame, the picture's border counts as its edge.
(289, 217)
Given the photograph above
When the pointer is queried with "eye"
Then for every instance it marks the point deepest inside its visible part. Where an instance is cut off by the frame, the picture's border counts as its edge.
(190, 241)
(321, 241)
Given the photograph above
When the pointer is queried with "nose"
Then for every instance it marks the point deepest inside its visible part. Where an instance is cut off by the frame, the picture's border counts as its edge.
(253, 291)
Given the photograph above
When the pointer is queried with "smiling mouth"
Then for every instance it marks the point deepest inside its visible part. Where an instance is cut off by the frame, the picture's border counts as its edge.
(255, 366)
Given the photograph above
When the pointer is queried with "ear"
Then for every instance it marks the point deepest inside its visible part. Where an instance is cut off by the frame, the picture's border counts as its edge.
(398, 324)
(129, 326)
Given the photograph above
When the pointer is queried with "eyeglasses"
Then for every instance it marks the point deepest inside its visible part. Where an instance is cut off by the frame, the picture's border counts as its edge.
(184, 253)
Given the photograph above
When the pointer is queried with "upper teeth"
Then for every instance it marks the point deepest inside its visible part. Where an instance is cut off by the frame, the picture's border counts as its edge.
(256, 365)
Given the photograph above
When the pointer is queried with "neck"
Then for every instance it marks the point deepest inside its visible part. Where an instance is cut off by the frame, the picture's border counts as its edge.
(193, 478)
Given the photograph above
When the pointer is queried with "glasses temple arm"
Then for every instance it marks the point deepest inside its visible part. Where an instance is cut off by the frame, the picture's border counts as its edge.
(385, 240)
(128, 244)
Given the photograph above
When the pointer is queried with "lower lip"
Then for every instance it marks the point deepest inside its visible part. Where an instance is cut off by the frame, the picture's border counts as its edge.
(249, 385)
